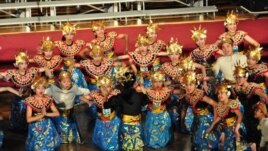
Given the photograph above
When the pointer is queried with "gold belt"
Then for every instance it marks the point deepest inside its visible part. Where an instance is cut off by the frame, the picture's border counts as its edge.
(230, 121)
(107, 117)
(131, 120)
(157, 110)
(66, 112)
(201, 112)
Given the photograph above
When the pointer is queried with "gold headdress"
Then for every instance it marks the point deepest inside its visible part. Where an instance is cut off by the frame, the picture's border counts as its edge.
(152, 28)
(199, 33)
(64, 74)
(21, 57)
(188, 64)
(96, 50)
(174, 47)
(68, 28)
(240, 72)
(104, 81)
(231, 18)
(255, 53)
(158, 76)
(69, 62)
(142, 41)
(97, 26)
(120, 71)
(189, 78)
(222, 87)
(39, 81)
(47, 44)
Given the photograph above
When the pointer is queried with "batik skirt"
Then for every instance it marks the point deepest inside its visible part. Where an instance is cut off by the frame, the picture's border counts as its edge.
(106, 134)
(42, 136)
(157, 129)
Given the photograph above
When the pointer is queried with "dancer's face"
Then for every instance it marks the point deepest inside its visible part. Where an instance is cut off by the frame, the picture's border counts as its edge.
(23, 65)
(240, 80)
(222, 96)
(174, 57)
(232, 27)
(65, 83)
(157, 84)
(100, 32)
(39, 90)
(201, 42)
(97, 60)
(190, 88)
(251, 61)
(48, 54)
(69, 36)
(227, 49)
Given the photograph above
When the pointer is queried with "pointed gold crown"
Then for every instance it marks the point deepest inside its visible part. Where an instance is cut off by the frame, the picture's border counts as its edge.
(152, 28)
(64, 74)
(158, 76)
(142, 41)
(174, 47)
(104, 81)
(255, 53)
(68, 28)
(69, 62)
(96, 50)
(231, 18)
(222, 87)
(189, 78)
(21, 57)
(188, 64)
(97, 25)
(240, 72)
(39, 81)
(47, 44)
(199, 33)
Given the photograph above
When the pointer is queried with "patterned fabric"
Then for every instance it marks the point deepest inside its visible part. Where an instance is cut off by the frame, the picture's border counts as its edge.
(18, 114)
(238, 39)
(67, 128)
(229, 141)
(95, 71)
(157, 46)
(70, 51)
(107, 44)
(200, 125)
(130, 137)
(189, 118)
(204, 55)
(22, 80)
(256, 73)
(106, 133)
(52, 63)
(42, 136)
(143, 60)
(157, 129)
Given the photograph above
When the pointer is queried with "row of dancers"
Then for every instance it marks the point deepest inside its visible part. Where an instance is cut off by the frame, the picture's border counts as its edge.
(183, 88)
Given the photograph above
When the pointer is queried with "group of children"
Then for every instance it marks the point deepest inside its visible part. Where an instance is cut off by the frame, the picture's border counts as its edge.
(216, 93)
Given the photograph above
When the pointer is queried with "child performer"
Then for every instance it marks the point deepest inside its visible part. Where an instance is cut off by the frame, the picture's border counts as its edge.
(262, 115)
(64, 93)
(106, 130)
(42, 134)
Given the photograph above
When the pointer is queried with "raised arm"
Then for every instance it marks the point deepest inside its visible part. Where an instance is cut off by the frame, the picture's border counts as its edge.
(251, 41)
(261, 94)
(9, 89)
